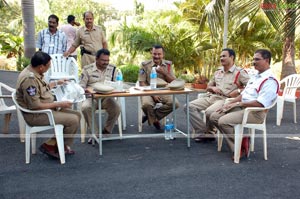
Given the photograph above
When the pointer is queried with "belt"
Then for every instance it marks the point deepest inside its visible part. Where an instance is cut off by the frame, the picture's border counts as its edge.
(89, 53)
(218, 94)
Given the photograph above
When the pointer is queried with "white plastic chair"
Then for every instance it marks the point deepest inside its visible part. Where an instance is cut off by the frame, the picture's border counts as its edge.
(8, 110)
(32, 130)
(62, 67)
(291, 84)
(4, 109)
(239, 130)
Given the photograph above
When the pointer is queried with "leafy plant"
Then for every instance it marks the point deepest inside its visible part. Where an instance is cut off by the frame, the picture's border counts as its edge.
(130, 73)
(22, 62)
(199, 79)
(188, 78)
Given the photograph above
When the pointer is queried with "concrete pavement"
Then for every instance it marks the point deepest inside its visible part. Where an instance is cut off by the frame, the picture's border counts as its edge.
(153, 167)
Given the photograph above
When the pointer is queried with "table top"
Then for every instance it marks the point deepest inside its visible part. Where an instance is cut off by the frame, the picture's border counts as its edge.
(5, 96)
(133, 91)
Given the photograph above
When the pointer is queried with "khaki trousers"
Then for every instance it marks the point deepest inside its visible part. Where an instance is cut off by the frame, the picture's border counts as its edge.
(67, 117)
(157, 114)
(209, 103)
(110, 105)
(87, 59)
(225, 122)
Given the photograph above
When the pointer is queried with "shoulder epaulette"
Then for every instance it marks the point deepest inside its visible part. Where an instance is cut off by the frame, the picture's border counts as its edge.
(146, 62)
(237, 76)
(168, 62)
(261, 84)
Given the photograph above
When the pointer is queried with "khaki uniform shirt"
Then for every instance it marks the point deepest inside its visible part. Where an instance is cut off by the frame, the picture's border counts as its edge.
(146, 67)
(90, 40)
(32, 90)
(91, 74)
(229, 81)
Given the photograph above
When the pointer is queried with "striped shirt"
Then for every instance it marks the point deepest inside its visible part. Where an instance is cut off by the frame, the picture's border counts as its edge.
(52, 43)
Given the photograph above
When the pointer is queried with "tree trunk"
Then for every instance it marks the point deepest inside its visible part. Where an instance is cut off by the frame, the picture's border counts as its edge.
(226, 13)
(28, 27)
(288, 51)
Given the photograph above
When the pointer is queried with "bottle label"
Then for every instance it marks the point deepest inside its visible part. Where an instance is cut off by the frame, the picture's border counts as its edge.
(153, 75)
(168, 127)
(119, 78)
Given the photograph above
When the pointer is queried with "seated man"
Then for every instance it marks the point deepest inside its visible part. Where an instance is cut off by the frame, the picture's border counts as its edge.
(100, 71)
(226, 82)
(35, 94)
(164, 71)
(261, 91)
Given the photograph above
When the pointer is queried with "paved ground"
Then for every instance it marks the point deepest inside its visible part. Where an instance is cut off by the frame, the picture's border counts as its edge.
(153, 167)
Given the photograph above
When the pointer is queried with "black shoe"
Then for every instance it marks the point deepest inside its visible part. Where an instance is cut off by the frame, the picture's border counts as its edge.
(156, 124)
(144, 119)
(204, 139)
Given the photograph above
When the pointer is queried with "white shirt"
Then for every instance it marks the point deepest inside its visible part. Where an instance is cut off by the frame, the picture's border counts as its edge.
(262, 87)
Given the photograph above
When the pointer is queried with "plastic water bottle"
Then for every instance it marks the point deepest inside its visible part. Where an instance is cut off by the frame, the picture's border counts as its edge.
(153, 78)
(168, 130)
(119, 79)
(172, 128)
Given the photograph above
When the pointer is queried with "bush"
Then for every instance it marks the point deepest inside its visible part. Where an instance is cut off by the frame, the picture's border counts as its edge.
(130, 73)
(22, 63)
(188, 78)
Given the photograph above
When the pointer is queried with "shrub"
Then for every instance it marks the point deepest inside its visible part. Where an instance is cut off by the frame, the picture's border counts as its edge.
(130, 73)
(188, 78)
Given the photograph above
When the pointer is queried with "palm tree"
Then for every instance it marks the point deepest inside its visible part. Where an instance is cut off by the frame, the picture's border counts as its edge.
(28, 27)
(281, 14)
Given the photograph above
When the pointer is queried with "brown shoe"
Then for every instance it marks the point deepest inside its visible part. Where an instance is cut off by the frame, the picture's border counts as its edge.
(49, 150)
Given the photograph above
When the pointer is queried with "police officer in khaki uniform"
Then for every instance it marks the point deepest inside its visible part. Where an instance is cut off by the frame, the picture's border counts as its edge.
(261, 91)
(226, 82)
(34, 93)
(90, 37)
(164, 71)
(100, 71)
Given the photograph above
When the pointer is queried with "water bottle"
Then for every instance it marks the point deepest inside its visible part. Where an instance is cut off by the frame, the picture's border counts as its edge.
(172, 128)
(119, 79)
(168, 129)
(153, 78)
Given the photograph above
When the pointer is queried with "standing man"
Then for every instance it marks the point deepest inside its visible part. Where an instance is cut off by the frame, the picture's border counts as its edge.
(90, 37)
(51, 40)
(100, 71)
(164, 71)
(261, 91)
(227, 81)
(70, 32)
(35, 94)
